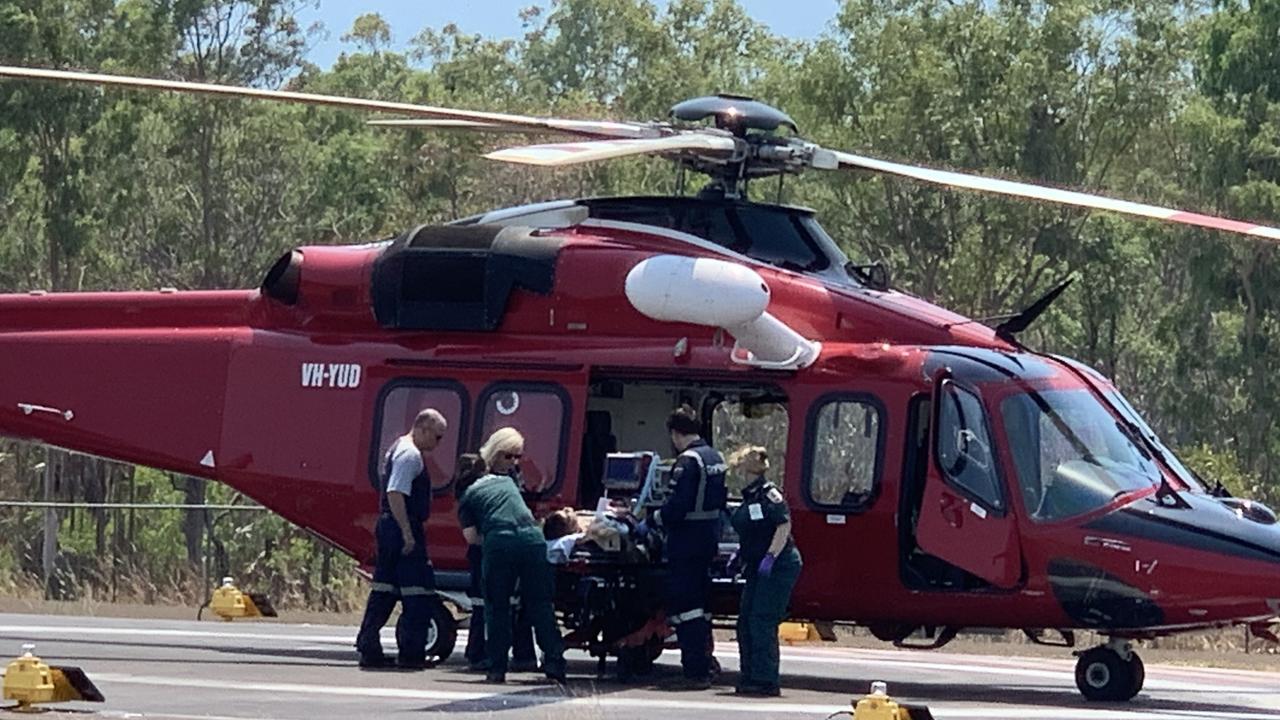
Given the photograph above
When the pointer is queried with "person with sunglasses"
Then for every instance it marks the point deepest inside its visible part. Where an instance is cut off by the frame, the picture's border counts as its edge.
(493, 514)
(499, 455)
(771, 564)
(401, 568)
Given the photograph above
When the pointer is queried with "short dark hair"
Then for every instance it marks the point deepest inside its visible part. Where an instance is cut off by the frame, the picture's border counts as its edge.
(470, 468)
(684, 421)
(559, 523)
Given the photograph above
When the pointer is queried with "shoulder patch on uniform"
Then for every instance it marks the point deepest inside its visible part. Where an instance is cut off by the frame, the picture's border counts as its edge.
(677, 471)
(774, 495)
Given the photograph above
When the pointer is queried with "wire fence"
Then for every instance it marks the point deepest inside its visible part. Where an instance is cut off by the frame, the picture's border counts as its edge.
(35, 505)
(94, 549)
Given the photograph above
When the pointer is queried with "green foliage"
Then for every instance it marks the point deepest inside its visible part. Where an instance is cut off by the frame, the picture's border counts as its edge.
(1220, 465)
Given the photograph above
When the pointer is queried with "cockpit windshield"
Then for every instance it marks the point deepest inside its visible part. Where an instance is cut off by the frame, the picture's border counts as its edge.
(1071, 454)
(1127, 410)
(1188, 478)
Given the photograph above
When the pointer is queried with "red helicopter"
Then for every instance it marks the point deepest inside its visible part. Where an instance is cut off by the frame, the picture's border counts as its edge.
(941, 474)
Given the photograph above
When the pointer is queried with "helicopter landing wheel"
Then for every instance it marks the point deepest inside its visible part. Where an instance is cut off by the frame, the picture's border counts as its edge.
(442, 633)
(1103, 674)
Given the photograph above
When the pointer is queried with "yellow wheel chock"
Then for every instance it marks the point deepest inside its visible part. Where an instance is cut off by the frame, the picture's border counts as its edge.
(31, 682)
(230, 603)
(879, 706)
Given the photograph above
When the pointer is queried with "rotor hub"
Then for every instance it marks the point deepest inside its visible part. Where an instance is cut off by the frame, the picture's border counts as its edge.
(735, 113)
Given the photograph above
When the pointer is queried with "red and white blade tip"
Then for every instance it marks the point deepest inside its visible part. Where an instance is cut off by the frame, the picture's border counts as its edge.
(1055, 195)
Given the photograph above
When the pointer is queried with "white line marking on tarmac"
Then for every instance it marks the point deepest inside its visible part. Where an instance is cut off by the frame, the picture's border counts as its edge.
(172, 633)
(882, 659)
(127, 715)
(724, 706)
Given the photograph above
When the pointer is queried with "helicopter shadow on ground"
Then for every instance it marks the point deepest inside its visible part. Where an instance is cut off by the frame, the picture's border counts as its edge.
(1013, 694)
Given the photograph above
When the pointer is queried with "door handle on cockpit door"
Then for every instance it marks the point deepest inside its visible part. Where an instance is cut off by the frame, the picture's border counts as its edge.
(953, 509)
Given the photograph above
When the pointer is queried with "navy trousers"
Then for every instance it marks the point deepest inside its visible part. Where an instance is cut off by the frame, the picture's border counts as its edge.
(407, 578)
(688, 590)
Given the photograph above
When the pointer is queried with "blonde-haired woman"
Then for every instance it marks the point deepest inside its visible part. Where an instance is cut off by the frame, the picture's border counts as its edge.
(502, 451)
(771, 565)
(494, 515)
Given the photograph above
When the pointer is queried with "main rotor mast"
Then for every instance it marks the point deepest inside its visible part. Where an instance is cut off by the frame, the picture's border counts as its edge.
(758, 151)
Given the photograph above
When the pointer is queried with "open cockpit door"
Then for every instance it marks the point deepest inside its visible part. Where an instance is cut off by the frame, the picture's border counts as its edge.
(965, 518)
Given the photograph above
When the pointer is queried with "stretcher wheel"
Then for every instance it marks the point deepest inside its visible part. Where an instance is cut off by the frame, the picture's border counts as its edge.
(638, 660)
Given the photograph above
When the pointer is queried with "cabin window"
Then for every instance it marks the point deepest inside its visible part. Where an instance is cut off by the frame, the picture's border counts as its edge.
(738, 423)
(964, 450)
(401, 402)
(845, 446)
(540, 412)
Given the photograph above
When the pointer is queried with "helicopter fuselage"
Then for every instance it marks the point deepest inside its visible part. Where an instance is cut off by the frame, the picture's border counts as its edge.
(937, 474)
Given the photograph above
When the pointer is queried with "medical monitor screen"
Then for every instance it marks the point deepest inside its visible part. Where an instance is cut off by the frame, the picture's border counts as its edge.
(625, 471)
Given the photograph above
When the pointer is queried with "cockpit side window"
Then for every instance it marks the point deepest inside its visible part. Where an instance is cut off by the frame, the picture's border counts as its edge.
(963, 448)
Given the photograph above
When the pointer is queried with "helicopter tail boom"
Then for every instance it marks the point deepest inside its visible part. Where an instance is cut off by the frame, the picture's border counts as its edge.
(137, 377)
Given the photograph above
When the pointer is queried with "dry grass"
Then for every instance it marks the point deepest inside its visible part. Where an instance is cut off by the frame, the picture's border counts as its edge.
(179, 599)
(91, 608)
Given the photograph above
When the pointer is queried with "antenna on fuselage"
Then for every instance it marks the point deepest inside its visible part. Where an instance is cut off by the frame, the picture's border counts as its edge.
(1009, 329)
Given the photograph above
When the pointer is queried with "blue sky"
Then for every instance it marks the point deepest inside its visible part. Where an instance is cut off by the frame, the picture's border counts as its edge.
(499, 18)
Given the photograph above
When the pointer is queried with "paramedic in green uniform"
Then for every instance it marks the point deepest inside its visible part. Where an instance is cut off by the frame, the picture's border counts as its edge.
(771, 563)
(494, 515)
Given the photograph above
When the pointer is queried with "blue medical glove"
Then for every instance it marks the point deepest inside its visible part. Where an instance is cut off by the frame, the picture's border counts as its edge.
(642, 529)
(766, 565)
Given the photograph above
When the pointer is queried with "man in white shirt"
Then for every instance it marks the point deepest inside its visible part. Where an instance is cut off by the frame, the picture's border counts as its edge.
(401, 569)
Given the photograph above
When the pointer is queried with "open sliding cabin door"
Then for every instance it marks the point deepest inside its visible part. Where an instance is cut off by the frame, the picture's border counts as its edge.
(966, 518)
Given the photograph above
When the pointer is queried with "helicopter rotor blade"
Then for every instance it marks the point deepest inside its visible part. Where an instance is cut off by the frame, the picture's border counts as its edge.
(1055, 195)
(469, 125)
(556, 126)
(573, 127)
(573, 153)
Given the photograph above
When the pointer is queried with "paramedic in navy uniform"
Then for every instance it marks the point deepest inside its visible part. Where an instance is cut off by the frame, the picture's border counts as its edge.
(402, 569)
(691, 517)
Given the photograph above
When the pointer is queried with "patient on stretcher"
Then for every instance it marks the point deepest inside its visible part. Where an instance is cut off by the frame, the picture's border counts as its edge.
(567, 530)
(563, 531)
